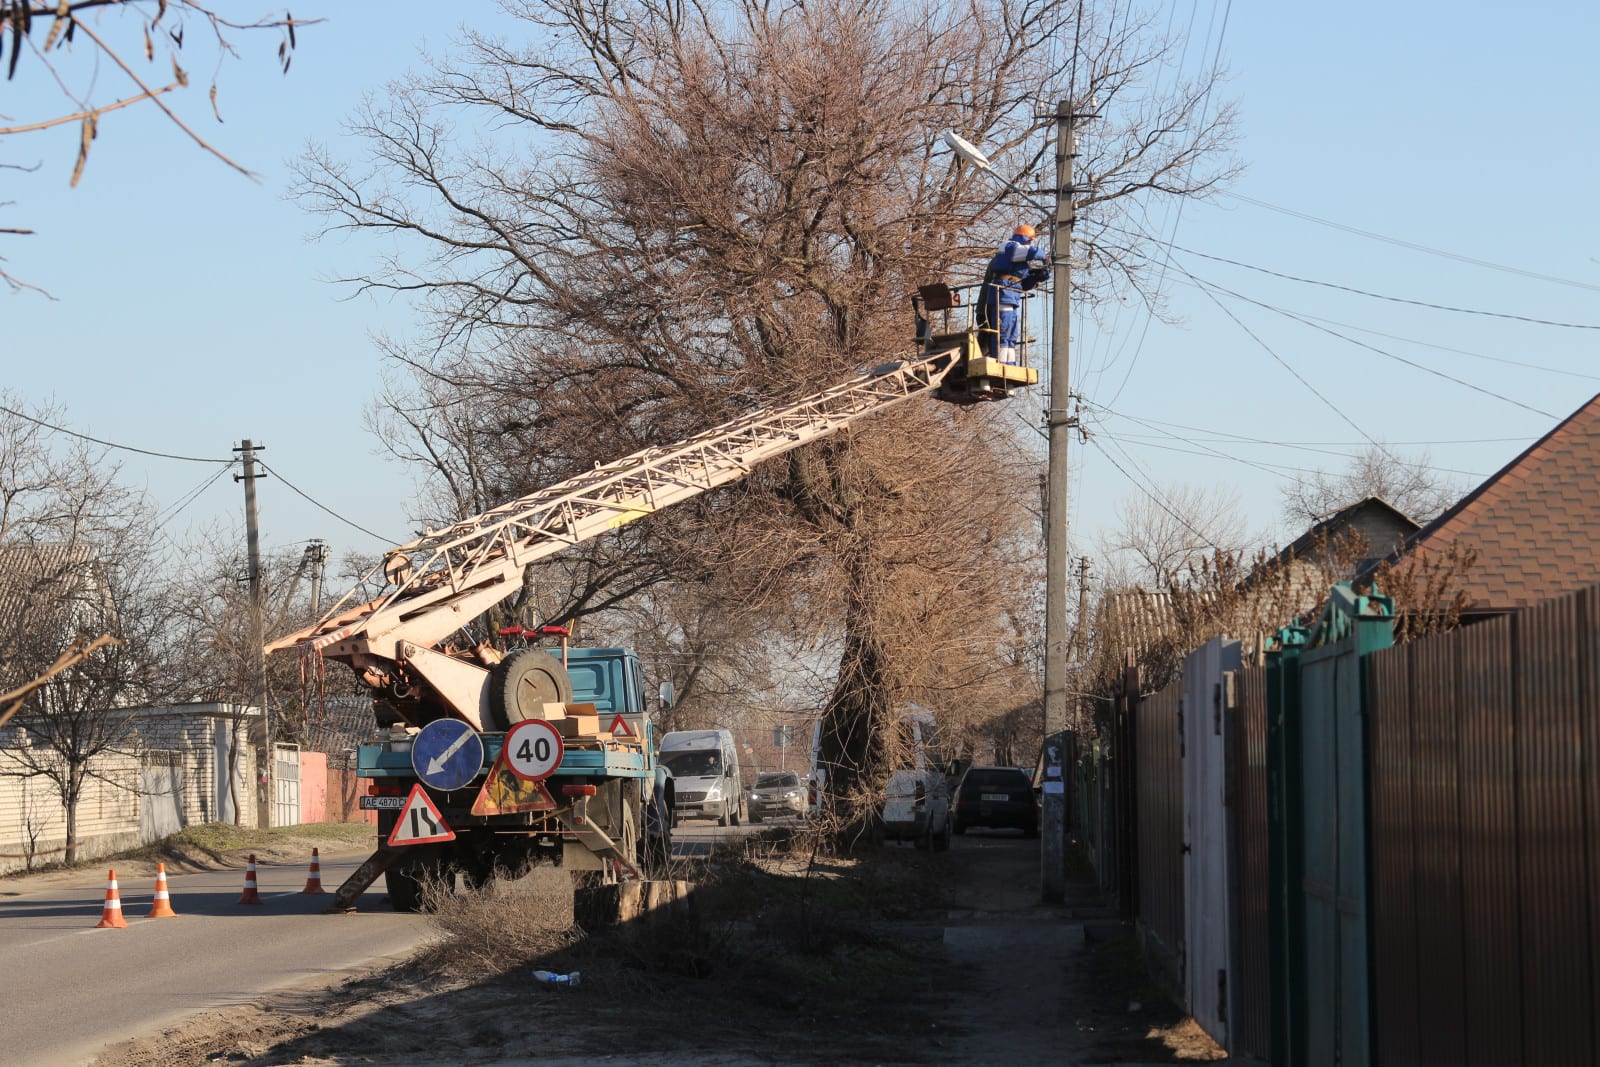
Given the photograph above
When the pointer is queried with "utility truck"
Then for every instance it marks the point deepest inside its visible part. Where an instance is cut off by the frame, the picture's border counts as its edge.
(487, 760)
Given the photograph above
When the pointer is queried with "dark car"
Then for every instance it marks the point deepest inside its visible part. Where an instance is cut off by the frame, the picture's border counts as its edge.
(997, 797)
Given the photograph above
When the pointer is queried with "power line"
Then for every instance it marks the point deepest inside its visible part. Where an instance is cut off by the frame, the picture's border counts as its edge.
(108, 444)
(1488, 264)
(1154, 499)
(1371, 348)
(1383, 296)
(305, 496)
(172, 510)
(1308, 446)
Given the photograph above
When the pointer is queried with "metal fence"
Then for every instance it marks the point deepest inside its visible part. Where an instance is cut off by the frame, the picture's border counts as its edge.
(1251, 1024)
(1159, 788)
(1485, 842)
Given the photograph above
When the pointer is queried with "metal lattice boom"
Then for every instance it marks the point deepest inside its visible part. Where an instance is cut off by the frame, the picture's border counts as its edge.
(448, 577)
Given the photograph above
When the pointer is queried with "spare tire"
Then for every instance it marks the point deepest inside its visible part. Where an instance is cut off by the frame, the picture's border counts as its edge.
(522, 683)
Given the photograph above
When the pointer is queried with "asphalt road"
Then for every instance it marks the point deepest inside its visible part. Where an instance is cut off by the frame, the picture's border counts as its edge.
(67, 988)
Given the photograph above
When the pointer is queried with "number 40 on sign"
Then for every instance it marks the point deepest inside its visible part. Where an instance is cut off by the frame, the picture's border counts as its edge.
(533, 749)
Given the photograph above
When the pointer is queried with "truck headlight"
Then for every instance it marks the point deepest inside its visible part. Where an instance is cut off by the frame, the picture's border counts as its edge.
(714, 793)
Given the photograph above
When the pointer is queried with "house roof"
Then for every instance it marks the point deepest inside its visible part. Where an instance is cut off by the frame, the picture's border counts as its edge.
(1351, 516)
(1535, 523)
(31, 573)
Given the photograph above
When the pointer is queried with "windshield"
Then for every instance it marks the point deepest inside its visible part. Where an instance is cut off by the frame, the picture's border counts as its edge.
(996, 778)
(696, 763)
(777, 779)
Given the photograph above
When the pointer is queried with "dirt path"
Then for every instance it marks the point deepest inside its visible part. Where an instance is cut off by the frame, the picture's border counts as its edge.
(989, 976)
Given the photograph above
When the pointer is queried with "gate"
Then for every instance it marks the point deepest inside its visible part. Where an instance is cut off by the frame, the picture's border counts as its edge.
(1319, 788)
(285, 785)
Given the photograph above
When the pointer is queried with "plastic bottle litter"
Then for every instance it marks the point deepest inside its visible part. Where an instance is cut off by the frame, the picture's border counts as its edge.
(552, 978)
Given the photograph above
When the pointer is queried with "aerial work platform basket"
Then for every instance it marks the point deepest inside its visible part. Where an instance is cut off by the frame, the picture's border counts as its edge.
(977, 375)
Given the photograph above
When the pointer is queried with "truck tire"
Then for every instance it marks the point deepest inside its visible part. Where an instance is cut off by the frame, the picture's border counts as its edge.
(405, 878)
(522, 683)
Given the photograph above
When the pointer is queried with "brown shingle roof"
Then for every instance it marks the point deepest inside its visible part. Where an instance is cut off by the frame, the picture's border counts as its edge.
(1535, 523)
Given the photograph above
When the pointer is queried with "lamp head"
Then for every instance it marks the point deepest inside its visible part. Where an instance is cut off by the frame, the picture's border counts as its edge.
(966, 150)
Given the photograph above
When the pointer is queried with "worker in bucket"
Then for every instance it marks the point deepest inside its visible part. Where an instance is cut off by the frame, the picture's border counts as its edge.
(1018, 266)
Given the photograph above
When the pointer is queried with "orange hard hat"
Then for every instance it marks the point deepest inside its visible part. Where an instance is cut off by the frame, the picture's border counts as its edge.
(1024, 230)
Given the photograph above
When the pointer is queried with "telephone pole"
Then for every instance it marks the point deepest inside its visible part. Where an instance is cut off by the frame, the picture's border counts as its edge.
(1060, 423)
(252, 533)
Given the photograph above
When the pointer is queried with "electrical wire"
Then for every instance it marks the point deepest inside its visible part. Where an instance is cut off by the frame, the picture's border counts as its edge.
(310, 500)
(1381, 296)
(1370, 348)
(1154, 498)
(172, 510)
(108, 444)
(1412, 245)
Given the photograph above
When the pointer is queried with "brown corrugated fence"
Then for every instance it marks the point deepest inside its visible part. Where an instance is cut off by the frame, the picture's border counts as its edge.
(1485, 789)
(1160, 839)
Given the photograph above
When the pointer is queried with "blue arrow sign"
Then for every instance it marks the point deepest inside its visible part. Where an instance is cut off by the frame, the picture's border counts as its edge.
(447, 754)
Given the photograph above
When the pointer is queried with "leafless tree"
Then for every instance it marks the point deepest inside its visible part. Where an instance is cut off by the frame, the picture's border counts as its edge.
(75, 45)
(1160, 535)
(676, 212)
(76, 557)
(1414, 487)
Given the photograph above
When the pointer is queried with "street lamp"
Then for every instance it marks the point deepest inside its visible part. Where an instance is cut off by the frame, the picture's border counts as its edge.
(1060, 423)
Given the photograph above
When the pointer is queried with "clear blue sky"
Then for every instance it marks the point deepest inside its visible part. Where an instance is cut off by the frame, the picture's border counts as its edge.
(192, 310)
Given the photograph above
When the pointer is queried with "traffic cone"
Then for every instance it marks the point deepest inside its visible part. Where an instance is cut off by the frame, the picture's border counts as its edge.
(161, 907)
(250, 894)
(111, 916)
(314, 882)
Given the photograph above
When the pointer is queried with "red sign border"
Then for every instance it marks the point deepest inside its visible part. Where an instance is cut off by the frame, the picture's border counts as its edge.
(417, 790)
(561, 749)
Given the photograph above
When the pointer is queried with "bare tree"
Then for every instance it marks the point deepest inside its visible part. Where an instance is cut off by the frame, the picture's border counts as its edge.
(119, 48)
(694, 209)
(75, 558)
(1160, 535)
(1414, 487)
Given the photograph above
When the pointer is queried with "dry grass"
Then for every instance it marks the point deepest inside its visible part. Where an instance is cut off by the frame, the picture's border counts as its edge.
(510, 919)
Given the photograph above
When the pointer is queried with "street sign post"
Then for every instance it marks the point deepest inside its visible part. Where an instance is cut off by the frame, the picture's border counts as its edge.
(447, 754)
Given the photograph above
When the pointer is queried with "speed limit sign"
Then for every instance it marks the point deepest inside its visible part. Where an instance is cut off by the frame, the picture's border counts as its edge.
(533, 749)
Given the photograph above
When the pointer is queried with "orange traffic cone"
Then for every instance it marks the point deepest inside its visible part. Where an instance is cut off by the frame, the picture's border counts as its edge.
(250, 894)
(111, 916)
(161, 907)
(314, 881)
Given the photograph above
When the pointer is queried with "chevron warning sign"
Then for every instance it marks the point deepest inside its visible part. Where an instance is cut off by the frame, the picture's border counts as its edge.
(504, 793)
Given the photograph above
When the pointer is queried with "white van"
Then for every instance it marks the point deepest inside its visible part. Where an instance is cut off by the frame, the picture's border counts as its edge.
(705, 775)
(916, 799)
(916, 802)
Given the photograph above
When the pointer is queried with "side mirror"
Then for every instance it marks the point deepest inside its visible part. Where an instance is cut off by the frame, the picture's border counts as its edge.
(667, 695)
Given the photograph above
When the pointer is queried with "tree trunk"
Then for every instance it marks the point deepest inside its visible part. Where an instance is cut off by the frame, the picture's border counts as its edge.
(859, 711)
(233, 774)
(69, 801)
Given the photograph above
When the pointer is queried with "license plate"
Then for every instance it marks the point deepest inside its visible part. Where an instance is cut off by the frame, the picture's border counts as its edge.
(997, 796)
(382, 803)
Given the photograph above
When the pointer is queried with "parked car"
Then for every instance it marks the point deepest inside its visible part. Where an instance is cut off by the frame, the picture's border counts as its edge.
(775, 794)
(998, 798)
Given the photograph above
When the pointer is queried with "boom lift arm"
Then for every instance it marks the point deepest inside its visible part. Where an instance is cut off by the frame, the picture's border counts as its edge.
(445, 579)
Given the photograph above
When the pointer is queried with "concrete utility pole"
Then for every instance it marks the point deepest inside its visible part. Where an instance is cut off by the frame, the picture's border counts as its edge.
(316, 556)
(1061, 423)
(252, 533)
